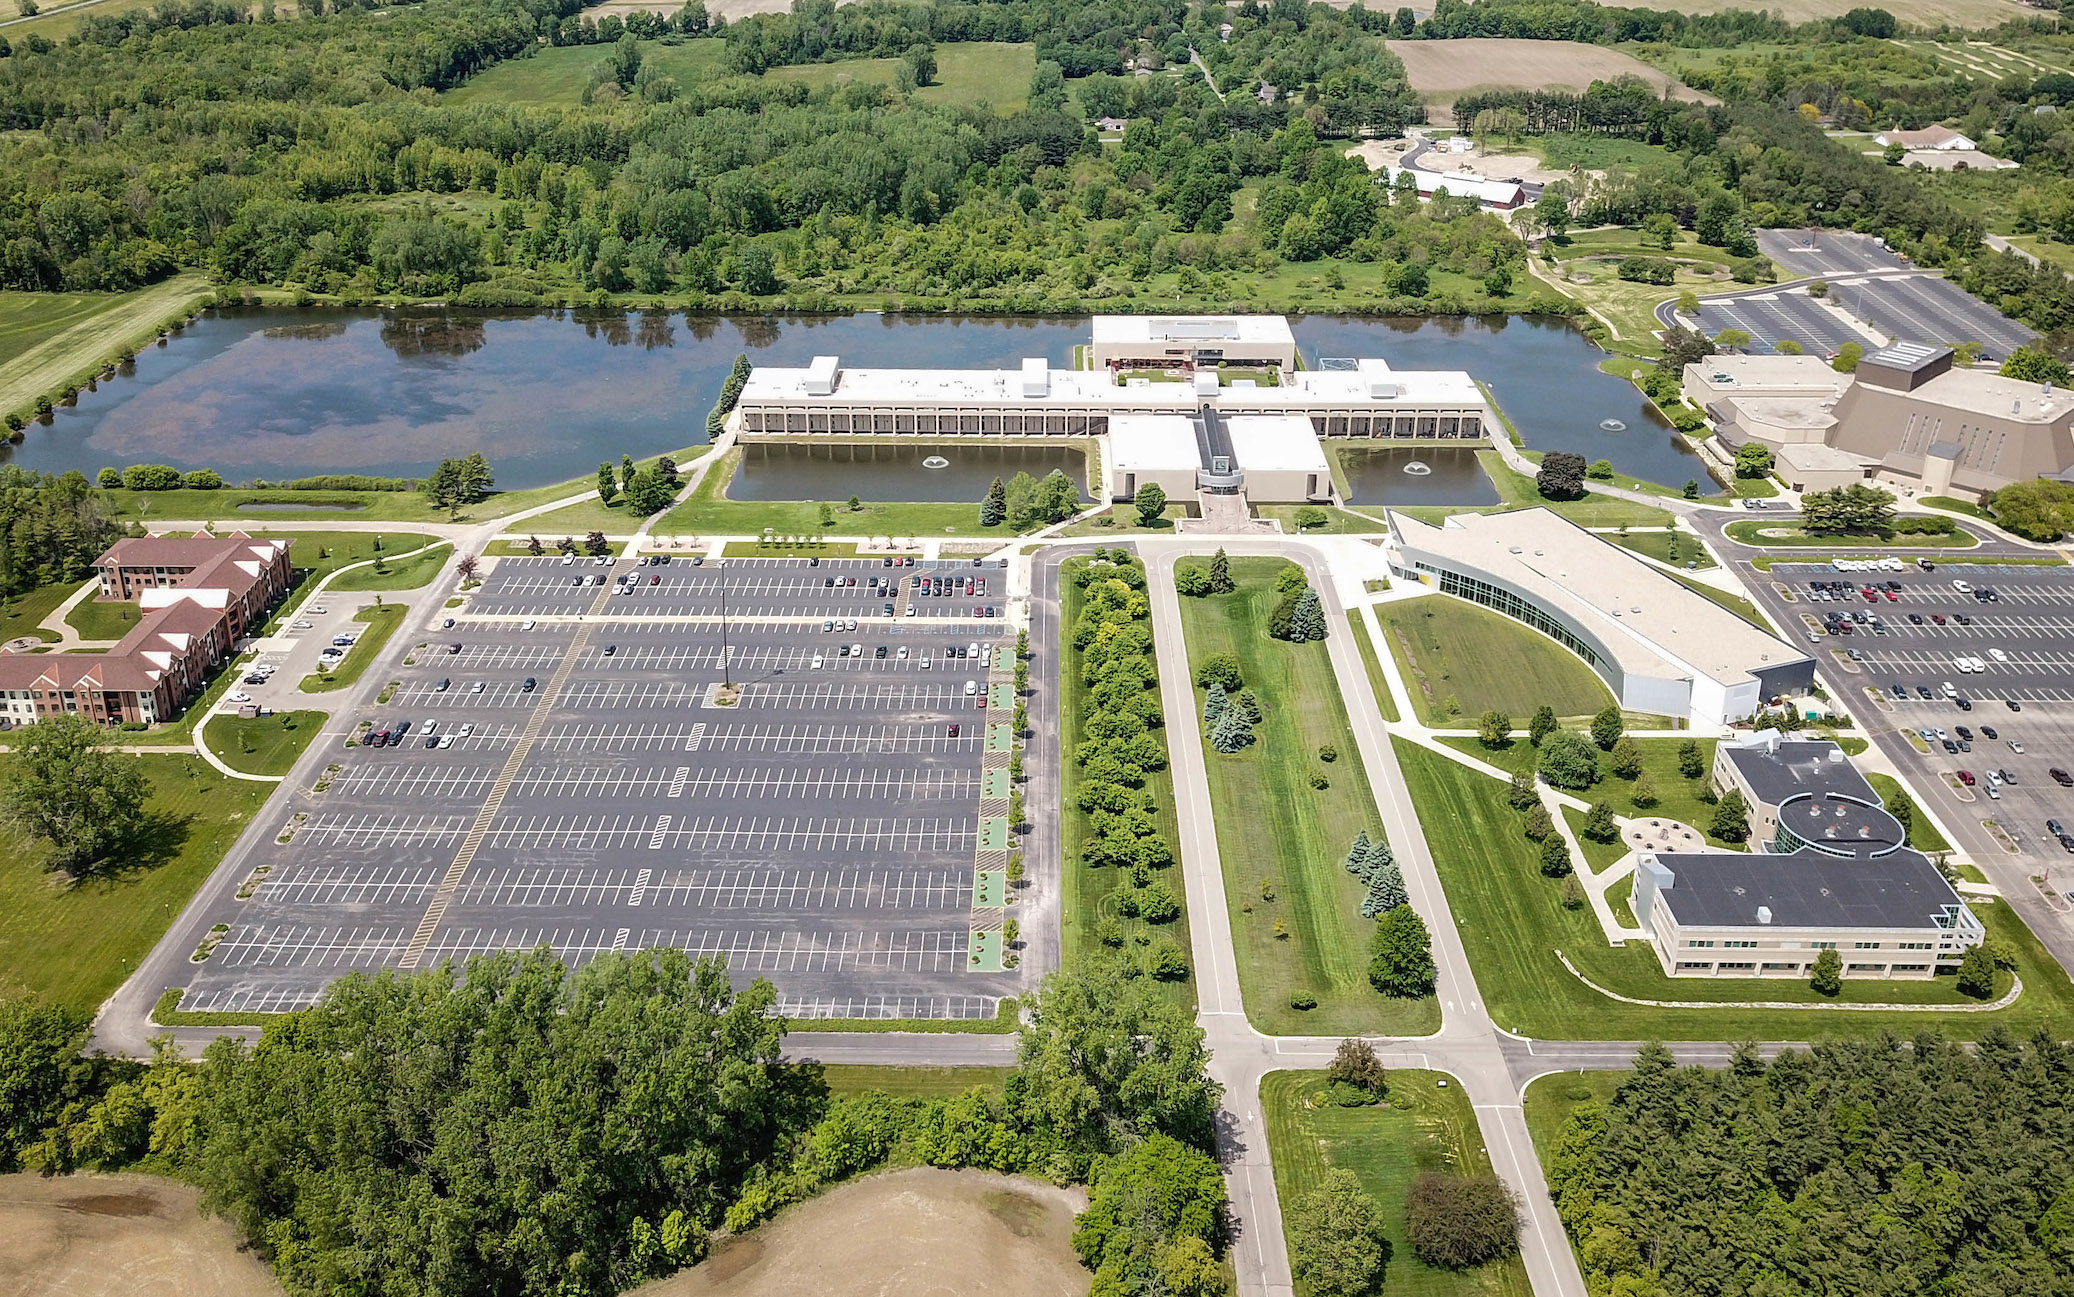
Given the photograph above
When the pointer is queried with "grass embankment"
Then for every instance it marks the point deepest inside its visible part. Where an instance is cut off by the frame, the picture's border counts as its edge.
(1385, 701)
(382, 623)
(1673, 547)
(1922, 834)
(709, 511)
(1549, 1101)
(1338, 522)
(51, 340)
(74, 942)
(1774, 535)
(1122, 520)
(1274, 828)
(1677, 798)
(1512, 923)
(1090, 894)
(912, 1082)
(404, 574)
(1449, 650)
(25, 614)
(1385, 1146)
(1517, 491)
(262, 745)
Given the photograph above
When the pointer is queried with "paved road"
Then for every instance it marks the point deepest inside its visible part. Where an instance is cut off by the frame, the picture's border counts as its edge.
(1468, 1045)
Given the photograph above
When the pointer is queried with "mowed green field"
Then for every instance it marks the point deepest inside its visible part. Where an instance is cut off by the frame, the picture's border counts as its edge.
(262, 745)
(74, 943)
(1272, 825)
(48, 340)
(966, 73)
(1513, 924)
(27, 319)
(1448, 648)
(1385, 1147)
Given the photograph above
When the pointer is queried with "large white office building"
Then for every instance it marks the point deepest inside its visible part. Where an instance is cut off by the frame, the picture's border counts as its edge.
(1658, 645)
(1194, 403)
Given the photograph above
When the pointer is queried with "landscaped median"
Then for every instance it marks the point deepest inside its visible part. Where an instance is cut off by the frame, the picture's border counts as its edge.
(1513, 925)
(382, 621)
(262, 745)
(1781, 535)
(1287, 812)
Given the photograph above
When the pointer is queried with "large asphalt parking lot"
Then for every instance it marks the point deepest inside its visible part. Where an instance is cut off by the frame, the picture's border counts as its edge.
(2030, 627)
(823, 833)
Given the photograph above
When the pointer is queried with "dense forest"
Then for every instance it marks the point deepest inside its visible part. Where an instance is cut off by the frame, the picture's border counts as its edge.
(1872, 1167)
(526, 1129)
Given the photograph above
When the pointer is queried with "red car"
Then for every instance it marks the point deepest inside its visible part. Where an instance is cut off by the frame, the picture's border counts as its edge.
(953, 732)
(1966, 778)
(1891, 596)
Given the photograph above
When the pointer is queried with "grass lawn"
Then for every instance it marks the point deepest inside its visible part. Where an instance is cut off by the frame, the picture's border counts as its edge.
(1922, 834)
(1338, 522)
(382, 623)
(1954, 505)
(1512, 923)
(1090, 894)
(1384, 699)
(709, 511)
(1122, 520)
(25, 614)
(96, 620)
(1677, 798)
(1278, 827)
(1385, 1147)
(1770, 535)
(1550, 1099)
(1517, 490)
(581, 519)
(912, 1082)
(1447, 648)
(556, 76)
(74, 943)
(404, 574)
(49, 340)
(1674, 547)
(262, 745)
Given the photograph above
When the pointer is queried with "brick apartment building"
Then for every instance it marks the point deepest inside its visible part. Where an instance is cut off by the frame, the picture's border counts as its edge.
(196, 595)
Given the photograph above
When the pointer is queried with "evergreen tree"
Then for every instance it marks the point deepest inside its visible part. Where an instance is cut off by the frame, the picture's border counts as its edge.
(994, 509)
(1307, 622)
(1543, 724)
(1689, 762)
(1644, 791)
(1826, 974)
(1731, 821)
(1555, 856)
(1606, 727)
(1626, 758)
(1247, 706)
(1220, 574)
(1215, 701)
(1977, 973)
(626, 471)
(1400, 962)
(1521, 794)
(1151, 502)
(1281, 622)
(1357, 856)
(1385, 889)
(1599, 824)
(1231, 733)
(607, 487)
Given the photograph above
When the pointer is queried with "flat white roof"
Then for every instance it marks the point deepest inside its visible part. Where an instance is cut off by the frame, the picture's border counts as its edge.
(1975, 391)
(1652, 624)
(1799, 374)
(1145, 443)
(1193, 328)
(1418, 389)
(1462, 184)
(1276, 443)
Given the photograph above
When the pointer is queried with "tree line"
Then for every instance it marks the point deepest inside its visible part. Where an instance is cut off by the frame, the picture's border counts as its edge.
(1880, 1166)
(52, 528)
(521, 1127)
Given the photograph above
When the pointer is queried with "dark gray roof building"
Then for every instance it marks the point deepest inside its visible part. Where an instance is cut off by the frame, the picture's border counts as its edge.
(1804, 889)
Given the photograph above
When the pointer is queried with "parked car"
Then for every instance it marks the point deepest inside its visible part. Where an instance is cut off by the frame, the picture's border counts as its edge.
(1966, 778)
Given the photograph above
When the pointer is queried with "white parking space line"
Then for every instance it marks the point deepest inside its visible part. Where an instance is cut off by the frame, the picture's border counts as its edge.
(403, 782)
(590, 782)
(629, 737)
(831, 739)
(376, 830)
(837, 697)
(746, 951)
(326, 885)
(752, 833)
(902, 1007)
(308, 945)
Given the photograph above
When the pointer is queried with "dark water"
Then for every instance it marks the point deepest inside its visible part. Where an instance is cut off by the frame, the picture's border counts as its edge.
(280, 394)
(1378, 476)
(1544, 374)
(835, 472)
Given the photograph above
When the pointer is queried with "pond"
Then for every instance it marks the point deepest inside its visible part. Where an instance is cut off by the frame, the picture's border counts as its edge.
(280, 394)
(1450, 475)
(834, 471)
(1544, 374)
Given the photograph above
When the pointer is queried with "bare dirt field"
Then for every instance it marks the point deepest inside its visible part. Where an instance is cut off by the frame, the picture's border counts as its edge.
(917, 1233)
(118, 1236)
(1441, 70)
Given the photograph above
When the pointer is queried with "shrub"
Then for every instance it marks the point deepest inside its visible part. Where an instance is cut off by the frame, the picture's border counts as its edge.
(1569, 761)
(1647, 270)
(1220, 668)
(1327, 753)
(1318, 780)
(1303, 1000)
(1826, 974)
(1355, 1064)
(151, 477)
(1458, 1221)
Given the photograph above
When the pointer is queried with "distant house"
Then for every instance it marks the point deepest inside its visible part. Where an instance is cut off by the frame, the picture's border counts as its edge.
(1110, 123)
(1266, 94)
(1460, 144)
(1934, 137)
(1224, 31)
(1495, 195)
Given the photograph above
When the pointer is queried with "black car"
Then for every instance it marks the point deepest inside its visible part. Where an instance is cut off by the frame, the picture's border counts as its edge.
(1900, 691)
(402, 728)
(2061, 777)
(443, 685)
(528, 686)
(1949, 746)
(2012, 704)
(611, 649)
(1989, 732)
(431, 740)
(1965, 703)
(1923, 691)
(1966, 734)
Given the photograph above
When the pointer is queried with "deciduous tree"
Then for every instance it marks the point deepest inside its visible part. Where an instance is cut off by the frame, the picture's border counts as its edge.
(1494, 729)
(1457, 1221)
(65, 783)
(1561, 476)
(1339, 1243)
(1569, 761)
(1151, 503)
(1607, 727)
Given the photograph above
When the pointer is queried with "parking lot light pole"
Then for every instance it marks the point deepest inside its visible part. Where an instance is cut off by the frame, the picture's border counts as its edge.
(726, 674)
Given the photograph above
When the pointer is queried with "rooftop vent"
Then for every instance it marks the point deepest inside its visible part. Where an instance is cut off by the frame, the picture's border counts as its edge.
(1836, 756)
(1517, 550)
(1764, 914)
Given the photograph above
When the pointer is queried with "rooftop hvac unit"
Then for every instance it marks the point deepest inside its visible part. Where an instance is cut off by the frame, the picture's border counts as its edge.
(1378, 381)
(821, 376)
(1036, 377)
(1206, 382)
(1764, 914)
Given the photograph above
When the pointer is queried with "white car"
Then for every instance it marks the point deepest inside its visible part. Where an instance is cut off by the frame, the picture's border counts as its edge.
(466, 730)
(241, 697)
(817, 663)
(2016, 747)
(318, 607)
(567, 559)
(1962, 587)
(1998, 655)
(302, 625)
(528, 624)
